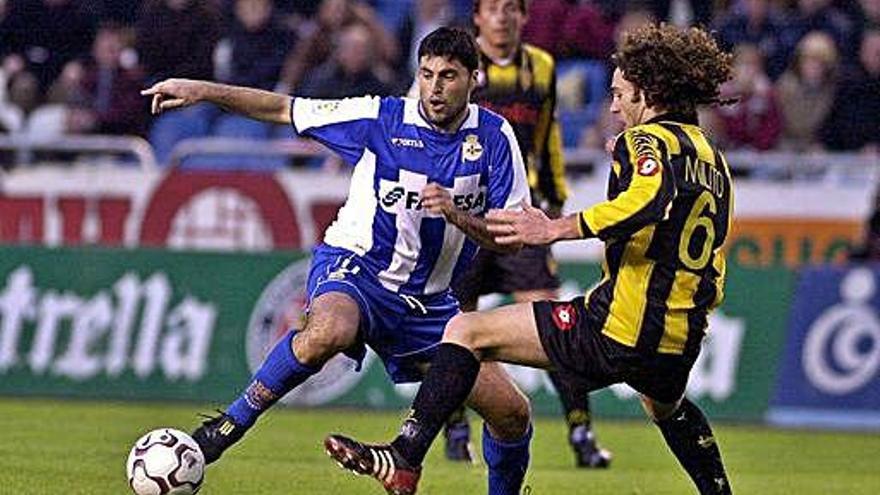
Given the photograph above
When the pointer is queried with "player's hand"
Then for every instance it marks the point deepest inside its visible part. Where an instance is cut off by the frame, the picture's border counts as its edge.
(436, 199)
(530, 226)
(174, 93)
(609, 145)
(553, 211)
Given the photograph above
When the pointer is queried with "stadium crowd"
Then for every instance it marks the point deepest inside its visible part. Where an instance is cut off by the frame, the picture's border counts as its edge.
(807, 72)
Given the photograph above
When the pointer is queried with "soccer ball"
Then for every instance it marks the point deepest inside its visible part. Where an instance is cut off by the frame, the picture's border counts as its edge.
(165, 462)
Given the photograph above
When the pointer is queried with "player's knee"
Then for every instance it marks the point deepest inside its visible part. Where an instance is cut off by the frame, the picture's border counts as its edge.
(657, 411)
(316, 344)
(461, 330)
(514, 423)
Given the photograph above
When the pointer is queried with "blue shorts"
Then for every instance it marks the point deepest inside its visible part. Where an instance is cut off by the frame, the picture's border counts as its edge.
(403, 330)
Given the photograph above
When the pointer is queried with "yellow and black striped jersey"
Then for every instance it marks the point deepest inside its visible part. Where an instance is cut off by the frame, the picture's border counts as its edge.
(524, 92)
(665, 220)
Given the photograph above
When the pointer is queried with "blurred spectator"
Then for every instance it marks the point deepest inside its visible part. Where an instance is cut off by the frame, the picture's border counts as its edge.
(426, 16)
(349, 72)
(259, 45)
(11, 114)
(102, 95)
(854, 123)
(587, 33)
(820, 15)
(5, 30)
(756, 23)
(303, 8)
(47, 34)
(806, 91)
(600, 135)
(317, 46)
(176, 38)
(569, 29)
(22, 88)
(631, 19)
(869, 18)
(606, 127)
(870, 13)
(756, 120)
(542, 26)
(701, 10)
(124, 12)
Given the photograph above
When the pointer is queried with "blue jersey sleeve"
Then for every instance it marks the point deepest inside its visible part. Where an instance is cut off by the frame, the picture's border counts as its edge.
(341, 125)
(508, 186)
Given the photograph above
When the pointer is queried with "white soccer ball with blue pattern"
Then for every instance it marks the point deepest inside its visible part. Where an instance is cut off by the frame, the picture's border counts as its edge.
(165, 462)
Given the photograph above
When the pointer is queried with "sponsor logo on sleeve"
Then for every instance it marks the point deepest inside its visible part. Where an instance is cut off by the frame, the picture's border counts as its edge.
(647, 166)
(325, 107)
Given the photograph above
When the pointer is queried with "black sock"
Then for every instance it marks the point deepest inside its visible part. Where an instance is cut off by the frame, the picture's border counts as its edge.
(447, 385)
(690, 438)
(574, 393)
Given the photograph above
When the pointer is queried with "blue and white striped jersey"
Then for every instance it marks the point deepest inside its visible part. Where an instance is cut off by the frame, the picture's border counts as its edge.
(395, 154)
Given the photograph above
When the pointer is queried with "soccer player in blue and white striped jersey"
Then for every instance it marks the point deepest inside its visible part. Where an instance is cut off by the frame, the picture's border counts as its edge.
(426, 171)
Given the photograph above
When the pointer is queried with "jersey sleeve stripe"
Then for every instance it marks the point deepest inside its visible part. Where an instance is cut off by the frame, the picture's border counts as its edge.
(519, 190)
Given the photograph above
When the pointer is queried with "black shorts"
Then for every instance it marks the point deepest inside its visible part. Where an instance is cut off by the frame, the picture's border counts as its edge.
(575, 344)
(532, 268)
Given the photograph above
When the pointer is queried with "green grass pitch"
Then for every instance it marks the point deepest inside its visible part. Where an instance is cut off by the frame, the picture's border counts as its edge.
(75, 447)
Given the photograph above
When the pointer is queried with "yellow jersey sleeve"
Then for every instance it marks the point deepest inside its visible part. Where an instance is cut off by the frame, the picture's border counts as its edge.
(639, 194)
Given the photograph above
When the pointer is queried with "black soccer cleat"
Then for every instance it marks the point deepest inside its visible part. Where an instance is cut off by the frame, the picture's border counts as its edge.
(217, 434)
(458, 441)
(587, 452)
(381, 462)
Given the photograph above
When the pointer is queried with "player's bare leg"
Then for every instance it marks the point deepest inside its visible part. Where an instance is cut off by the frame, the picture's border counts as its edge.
(689, 436)
(331, 327)
(505, 334)
(506, 412)
(574, 393)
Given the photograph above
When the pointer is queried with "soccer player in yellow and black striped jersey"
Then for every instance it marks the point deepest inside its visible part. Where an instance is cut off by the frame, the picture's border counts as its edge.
(664, 223)
(518, 81)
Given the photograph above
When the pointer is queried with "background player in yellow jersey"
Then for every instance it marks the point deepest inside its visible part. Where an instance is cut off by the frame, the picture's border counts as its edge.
(518, 81)
(664, 222)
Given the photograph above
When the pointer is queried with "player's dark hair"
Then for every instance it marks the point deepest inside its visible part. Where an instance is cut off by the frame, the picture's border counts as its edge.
(521, 3)
(451, 43)
(677, 69)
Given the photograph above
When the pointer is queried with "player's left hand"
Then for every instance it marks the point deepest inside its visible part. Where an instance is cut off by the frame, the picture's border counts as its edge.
(529, 226)
(174, 93)
(436, 199)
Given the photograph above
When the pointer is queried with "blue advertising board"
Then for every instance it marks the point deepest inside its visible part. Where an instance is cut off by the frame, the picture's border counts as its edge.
(830, 372)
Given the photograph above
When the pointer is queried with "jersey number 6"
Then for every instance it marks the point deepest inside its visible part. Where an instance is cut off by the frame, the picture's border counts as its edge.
(696, 219)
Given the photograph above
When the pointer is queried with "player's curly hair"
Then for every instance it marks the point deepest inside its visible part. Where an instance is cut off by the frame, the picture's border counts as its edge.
(677, 69)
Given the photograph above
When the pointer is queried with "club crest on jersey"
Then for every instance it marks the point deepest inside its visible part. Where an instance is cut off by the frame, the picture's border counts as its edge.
(647, 166)
(564, 316)
(471, 149)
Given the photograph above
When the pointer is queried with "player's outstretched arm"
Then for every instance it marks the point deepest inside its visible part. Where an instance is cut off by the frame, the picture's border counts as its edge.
(254, 103)
(530, 226)
(437, 199)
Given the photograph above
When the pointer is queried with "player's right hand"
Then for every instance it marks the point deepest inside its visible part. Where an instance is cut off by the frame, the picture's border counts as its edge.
(173, 93)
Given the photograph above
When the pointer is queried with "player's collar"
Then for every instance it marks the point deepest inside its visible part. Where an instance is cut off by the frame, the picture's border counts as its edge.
(412, 115)
(516, 57)
(682, 118)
